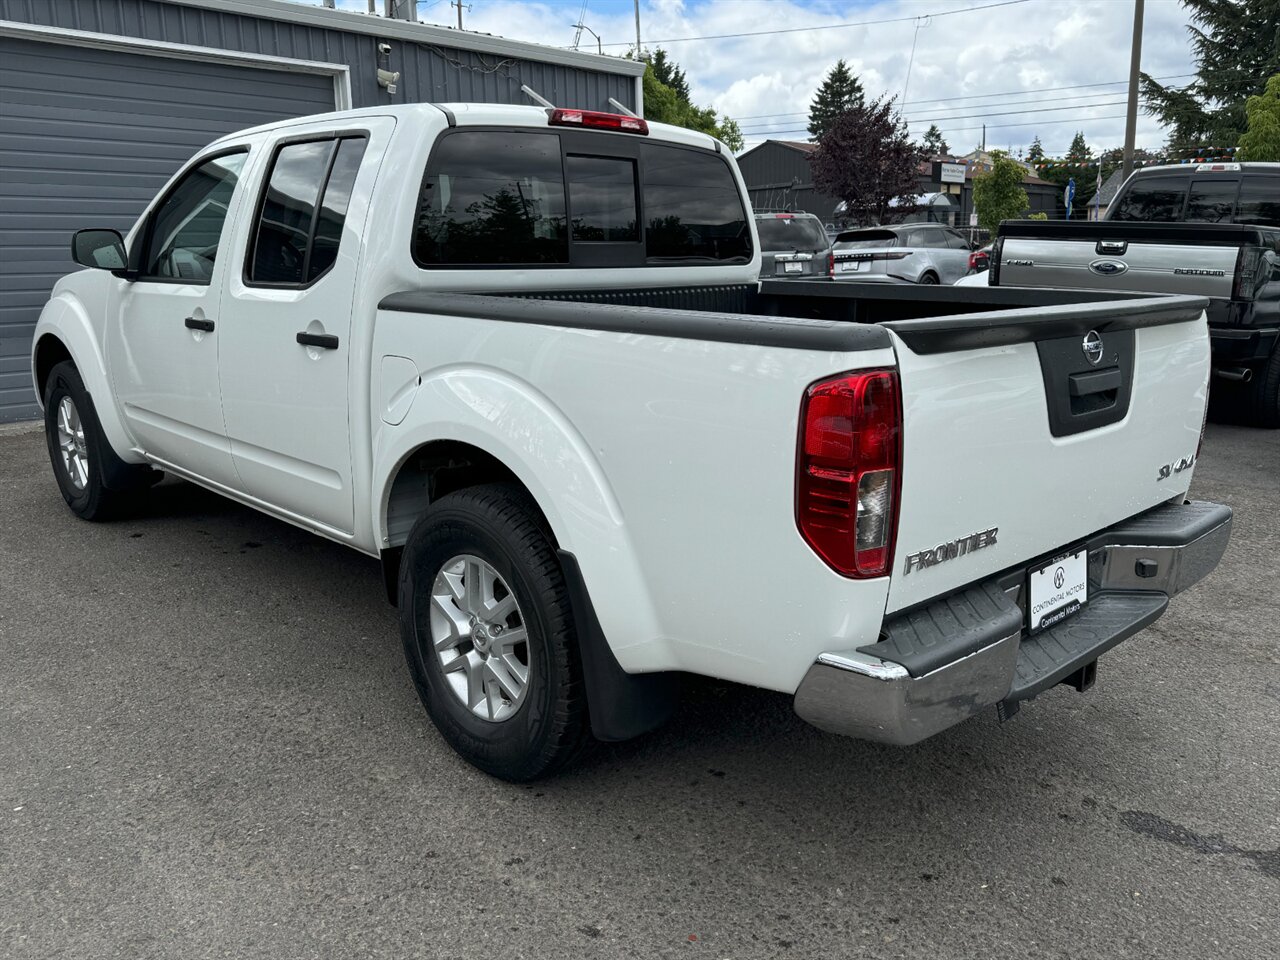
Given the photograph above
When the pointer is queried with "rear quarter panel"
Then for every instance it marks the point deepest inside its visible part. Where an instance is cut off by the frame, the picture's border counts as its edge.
(667, 466)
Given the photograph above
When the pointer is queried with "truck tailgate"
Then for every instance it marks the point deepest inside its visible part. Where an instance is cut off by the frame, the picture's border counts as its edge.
(1147, 266)
(1018, 443)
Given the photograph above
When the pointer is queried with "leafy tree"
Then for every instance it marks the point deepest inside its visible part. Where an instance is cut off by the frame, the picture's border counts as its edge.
(1036, 153)
(866, 159)
(839, 92)
(668, 71)
(664, 104)
(998, 194)
(1235, 50)
(1262, 141)
(933, 143)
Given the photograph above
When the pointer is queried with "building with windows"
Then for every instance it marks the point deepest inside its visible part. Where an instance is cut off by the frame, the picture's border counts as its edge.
(102, 101)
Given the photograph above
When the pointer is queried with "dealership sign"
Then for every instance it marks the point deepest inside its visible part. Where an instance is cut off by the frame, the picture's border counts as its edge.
(951, 173)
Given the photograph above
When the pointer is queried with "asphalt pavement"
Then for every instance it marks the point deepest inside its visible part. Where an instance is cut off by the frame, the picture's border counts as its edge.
(210, 747)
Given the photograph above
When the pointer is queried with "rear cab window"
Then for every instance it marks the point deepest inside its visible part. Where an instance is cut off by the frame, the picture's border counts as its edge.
(1260, 200)
(575, 199)
(1152, 198)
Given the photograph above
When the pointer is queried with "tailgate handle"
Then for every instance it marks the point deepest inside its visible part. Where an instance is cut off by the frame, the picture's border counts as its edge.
(1112, 247)
(1094, 381)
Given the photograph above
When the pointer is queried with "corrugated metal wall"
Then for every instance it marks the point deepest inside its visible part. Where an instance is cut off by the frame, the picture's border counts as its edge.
(88, 135)
(428, 72)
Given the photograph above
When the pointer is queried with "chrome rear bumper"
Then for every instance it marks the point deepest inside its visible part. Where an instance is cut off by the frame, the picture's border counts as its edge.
(941, 664)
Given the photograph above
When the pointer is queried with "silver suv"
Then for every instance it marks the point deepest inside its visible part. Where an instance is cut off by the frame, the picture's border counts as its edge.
(792, 245)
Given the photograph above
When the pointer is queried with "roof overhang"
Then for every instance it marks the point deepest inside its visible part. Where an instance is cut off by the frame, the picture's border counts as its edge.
(386, 28)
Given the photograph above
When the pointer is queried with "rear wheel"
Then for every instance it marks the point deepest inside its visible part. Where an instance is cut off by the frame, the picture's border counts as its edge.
(489, 636)
(95, 483)
(928, 278)
(1262, 400)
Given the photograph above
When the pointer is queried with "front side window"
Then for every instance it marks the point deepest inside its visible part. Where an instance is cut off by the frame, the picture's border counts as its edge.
(184, 231)
(692, 210)
(302, 210)
(1212, 201)
(1151, 198)
(493, 198)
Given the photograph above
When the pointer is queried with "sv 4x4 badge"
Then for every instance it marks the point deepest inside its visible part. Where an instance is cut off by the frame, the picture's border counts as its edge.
(1169, 469)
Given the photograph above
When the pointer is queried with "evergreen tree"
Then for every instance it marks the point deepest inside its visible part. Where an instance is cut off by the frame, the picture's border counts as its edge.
(1079, 152)
(1036, 153)
(933, 143)
(1236, 50)
(668, 71)
(839, 92)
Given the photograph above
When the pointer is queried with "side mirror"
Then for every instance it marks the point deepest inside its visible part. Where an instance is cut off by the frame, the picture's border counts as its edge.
(99, 249)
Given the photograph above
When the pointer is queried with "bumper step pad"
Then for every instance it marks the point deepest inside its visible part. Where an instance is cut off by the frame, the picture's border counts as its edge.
(1047, 658)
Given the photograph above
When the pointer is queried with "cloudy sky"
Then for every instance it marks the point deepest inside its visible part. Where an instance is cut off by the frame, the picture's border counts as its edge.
(1024, 67)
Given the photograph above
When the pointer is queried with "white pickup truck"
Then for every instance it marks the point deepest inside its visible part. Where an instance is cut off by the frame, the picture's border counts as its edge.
(522, 356)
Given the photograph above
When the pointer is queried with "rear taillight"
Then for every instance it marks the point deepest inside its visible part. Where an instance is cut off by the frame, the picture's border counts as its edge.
(978, 260)
(848, 475)
(831, 264)
(1249, 262)
(993, 265)
(598, 121)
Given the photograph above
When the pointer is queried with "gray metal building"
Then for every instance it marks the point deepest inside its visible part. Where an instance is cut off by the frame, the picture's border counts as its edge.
(102, 100)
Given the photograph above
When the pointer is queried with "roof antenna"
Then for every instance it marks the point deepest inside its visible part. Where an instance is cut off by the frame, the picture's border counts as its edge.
(622, 108)
(536, 97)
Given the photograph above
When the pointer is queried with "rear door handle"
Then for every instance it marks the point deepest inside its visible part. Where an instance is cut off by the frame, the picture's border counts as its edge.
(195, 323)
(325, 341)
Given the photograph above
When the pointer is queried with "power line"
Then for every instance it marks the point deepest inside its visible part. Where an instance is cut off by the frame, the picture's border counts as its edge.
(827, 26)
(954, 130)
(1008, 113)
(1009, 93)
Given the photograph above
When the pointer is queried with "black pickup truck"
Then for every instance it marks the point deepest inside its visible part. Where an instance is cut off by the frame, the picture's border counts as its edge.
(1211, 229)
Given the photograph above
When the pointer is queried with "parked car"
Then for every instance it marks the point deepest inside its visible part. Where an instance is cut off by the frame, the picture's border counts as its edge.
(980, 260)
(595, 454)
(918, 252)
(792, 245)
(1209, 229)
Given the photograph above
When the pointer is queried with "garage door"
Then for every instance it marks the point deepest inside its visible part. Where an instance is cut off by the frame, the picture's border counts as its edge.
(87, 137)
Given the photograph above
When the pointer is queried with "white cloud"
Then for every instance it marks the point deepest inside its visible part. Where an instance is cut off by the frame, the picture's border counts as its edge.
(767, 81)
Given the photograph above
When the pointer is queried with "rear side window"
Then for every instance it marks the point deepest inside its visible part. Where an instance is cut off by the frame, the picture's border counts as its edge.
(929, 237)
(1259, 201)
(1152, 198)
(692, 210)
(1212, 201)
(493, 198)
(302, 210)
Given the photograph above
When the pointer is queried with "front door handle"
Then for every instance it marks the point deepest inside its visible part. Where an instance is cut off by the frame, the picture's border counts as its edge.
(195, 323)
(325, 341)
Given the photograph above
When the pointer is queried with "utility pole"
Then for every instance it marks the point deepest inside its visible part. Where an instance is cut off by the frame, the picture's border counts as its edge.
(638, 56)
(1131, 117)
(984, 139)
(458, 4)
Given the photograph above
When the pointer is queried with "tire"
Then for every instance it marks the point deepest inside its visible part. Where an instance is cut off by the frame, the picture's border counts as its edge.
(1261, 402)
(928, 278)
(95, 483)
(516, 738)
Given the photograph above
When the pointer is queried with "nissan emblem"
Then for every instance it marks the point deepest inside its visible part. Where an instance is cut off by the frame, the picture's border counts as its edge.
(1092, 346)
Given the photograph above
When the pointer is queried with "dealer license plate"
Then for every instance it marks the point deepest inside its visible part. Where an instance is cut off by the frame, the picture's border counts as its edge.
(1058, 589)
(850, 265)
(793, 266)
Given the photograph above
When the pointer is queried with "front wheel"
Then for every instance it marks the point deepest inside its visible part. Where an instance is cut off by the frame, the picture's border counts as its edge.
(489, 636)
(95, 483)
